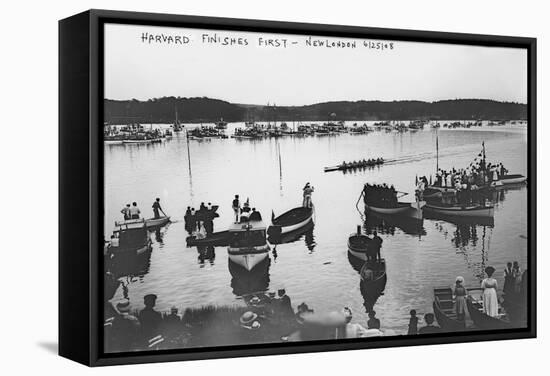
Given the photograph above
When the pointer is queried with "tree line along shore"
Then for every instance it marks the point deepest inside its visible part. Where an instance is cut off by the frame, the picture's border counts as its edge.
(207, 110)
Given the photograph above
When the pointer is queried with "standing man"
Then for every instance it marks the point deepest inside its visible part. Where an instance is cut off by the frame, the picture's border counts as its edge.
(134, 211)
(156, 207)
(236, 207)
(377, 240)
(308, 190)
(126, 212)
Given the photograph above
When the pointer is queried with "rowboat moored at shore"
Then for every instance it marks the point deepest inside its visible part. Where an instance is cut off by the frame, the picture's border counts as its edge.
(444, 307)
(484, 321)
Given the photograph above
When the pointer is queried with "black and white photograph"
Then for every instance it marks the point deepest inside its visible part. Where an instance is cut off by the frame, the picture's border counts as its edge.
(264, 188)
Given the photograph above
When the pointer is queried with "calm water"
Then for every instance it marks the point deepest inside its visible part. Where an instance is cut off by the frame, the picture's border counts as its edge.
(314, 269)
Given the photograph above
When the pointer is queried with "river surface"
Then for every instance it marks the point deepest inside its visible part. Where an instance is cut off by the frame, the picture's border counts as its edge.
(314, 269)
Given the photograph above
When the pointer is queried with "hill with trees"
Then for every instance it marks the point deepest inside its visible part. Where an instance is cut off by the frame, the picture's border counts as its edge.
(208, 110)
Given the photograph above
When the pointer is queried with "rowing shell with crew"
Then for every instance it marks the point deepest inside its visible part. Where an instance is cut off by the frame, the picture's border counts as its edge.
(356, 164)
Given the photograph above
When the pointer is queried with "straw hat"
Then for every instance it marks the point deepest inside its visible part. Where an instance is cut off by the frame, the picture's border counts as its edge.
(248, 317)
(459, 279)
(123, 307)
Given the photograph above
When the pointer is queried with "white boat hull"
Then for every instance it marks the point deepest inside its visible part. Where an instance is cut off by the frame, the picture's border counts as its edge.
(156, 222)
(468, 212)
(297, 226)
(248, 260)
(517, 180)
(412, 211)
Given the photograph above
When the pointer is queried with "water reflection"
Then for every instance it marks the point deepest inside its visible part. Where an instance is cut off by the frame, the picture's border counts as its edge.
(471, 240)
(244, 282)
(388, 224)
(129, 265)
(305, 232)
(206, 254)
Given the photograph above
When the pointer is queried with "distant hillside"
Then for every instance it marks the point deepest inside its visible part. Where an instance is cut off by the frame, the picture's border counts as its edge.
(194, 110)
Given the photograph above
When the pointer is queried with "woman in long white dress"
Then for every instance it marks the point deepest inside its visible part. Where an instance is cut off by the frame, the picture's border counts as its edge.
(490, 299)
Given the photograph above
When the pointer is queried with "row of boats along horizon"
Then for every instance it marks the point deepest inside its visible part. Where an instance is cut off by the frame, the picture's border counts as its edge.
(461, 194)
(137, 133)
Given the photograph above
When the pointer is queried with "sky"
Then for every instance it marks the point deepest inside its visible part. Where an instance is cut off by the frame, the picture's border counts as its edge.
(145, 62)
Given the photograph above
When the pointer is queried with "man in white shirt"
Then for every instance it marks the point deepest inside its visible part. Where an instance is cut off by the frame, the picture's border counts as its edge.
(134, 211)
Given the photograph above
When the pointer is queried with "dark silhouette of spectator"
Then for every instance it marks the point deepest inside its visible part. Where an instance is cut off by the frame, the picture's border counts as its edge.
(149, 318)
(430, 327)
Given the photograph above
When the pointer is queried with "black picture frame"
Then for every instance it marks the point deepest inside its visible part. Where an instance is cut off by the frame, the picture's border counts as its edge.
(81, 184)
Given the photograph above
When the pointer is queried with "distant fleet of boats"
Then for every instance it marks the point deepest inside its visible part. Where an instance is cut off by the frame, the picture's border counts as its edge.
(136, 133)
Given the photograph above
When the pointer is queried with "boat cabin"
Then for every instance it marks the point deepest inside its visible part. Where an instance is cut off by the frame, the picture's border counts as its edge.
(131, 234)
(247, 235)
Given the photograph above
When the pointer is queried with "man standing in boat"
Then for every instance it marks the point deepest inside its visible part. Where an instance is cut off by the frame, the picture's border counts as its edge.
(308, 190)
(236, 207)
(377, 242)
(126, 212)
(156, 208)
(134, 211)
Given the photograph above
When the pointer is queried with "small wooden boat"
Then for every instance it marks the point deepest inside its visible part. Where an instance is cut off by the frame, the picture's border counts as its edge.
(351, 166)
(406, 209)
(216, 239)
(292, 236)
(483, 321)
(292, 220)
(461, 211)
(150, 223)
(512, 179)
(444, 307)
(373, 275)
(359, 244)
(157, 222)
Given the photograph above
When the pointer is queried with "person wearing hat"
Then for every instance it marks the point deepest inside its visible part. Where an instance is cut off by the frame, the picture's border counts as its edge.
(248, 321)
(285, 305)
(460, 298)
(490, 298)
(125, 328)
(149, 318)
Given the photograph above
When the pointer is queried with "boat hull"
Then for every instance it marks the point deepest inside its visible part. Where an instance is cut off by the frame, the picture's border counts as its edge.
(513, 180)
(248, 260)
(483, 321)
(412, 210)
(359, 250)
(276, 229)
(479, 212)
(157, 222)
(378, 284)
